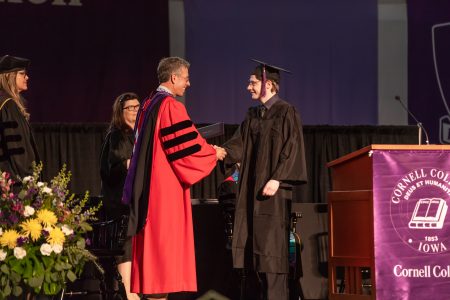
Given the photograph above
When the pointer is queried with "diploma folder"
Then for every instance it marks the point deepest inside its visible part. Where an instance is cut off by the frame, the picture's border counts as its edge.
(211, 131)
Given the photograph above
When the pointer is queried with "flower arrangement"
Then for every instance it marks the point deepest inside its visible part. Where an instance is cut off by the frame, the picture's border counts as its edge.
(42, 228)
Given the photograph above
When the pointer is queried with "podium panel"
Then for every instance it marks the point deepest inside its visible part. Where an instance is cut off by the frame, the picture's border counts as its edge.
(389, 230)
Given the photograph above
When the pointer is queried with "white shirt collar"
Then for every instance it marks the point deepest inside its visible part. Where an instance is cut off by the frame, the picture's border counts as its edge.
(162, 88)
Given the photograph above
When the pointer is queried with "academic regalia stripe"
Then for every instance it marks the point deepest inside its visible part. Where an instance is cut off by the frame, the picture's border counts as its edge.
(176, 127)
(180, 140)
(185, 152)
(13, 138)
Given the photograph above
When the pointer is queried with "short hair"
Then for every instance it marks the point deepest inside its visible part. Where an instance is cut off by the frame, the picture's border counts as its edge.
(117, 120)
(169, 65)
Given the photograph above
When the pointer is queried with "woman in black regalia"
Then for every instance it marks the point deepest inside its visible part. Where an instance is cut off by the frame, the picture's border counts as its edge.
(17, 147)
(115, 160)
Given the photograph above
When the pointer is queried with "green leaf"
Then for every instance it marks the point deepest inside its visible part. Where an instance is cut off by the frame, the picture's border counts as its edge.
(22, 194)
(48, 261)
(7, 290)
(38, 269)
(36, 281)
(17, 267)
(51, 289)
(48, 277)
(54, 277)
(3, 280)
(58, 266)
(15, 277)
(4, 268)
(17, 290)
(81, 243)
(85, 226)
(28, 271)
(71, 276)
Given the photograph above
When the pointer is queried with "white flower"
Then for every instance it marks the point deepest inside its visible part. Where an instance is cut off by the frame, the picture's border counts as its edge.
(26, 179)
(46, 249)
(47, 190)
(19, 252)
(57, 248)
(29, 211)
(39, 184)
(2, 255)
(66, 229)
(1, 231)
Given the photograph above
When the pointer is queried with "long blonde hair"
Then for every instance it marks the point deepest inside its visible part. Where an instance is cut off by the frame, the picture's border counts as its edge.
(8, 84)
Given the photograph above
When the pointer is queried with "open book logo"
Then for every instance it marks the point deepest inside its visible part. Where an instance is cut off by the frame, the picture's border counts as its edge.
(418, 210)
(429, 213)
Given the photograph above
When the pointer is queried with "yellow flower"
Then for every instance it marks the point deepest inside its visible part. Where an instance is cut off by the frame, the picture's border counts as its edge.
(9, 238)
(56, 237)
(32, 228)
(47, 217)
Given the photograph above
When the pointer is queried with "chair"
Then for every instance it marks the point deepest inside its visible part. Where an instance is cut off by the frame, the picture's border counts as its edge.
(105, 241)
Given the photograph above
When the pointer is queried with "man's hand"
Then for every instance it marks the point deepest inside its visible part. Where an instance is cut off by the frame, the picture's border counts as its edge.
(271, 187)
(220, 152)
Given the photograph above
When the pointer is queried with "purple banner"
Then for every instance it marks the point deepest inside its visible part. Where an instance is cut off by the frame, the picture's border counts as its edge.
(429, 66)
(411, 227)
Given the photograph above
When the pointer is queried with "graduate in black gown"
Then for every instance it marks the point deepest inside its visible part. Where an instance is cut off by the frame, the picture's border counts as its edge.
(269, 146)
(17, 147)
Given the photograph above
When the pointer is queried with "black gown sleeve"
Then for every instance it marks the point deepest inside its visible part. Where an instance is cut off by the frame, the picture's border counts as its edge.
(234, 148)
(291, 165)
(114, 157)
(17, 149)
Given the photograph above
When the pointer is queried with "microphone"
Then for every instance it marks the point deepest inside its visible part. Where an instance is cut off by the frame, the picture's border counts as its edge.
(419, 124)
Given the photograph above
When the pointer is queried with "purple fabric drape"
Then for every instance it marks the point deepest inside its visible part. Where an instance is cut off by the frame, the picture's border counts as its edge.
(411, 191)
(429, 66)
(82, 57)
(330, 47)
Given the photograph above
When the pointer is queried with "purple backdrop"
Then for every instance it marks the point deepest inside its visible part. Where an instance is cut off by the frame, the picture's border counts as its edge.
(330, 46)
(429, 66)
(84, 56)
(411, 193)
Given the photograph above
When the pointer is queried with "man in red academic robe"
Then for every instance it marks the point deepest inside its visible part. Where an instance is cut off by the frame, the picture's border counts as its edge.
(169, 156)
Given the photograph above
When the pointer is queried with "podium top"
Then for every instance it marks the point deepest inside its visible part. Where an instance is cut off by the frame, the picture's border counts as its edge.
(366, 149)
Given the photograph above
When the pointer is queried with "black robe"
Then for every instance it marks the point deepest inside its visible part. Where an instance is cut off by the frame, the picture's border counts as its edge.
(17, 147)
(116, 150)
(268, 147)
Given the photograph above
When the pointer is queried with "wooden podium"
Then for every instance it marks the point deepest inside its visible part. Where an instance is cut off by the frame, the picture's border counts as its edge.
(351, 262)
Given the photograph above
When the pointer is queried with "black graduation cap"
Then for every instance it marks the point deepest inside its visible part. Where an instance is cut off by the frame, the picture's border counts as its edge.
(10, 63)
(265, 72)
(272, 72)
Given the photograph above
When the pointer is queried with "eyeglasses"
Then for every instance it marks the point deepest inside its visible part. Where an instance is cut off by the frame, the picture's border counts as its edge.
(132, 107)
(253, 83)
(185, 78)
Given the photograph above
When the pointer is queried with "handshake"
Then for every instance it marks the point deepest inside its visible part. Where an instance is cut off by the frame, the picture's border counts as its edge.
(220, 152)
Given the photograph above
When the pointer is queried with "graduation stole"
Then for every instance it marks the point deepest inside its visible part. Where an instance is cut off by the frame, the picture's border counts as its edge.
(139, 133)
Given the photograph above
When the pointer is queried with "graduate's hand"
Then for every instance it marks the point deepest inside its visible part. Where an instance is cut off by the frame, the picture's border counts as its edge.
(271, 187)
(220, 152)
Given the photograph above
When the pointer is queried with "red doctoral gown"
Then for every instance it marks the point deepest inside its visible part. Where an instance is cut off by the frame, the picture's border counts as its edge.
(163, 251)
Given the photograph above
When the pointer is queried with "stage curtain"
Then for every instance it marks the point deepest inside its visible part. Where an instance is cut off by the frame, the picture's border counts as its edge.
(79, 145)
